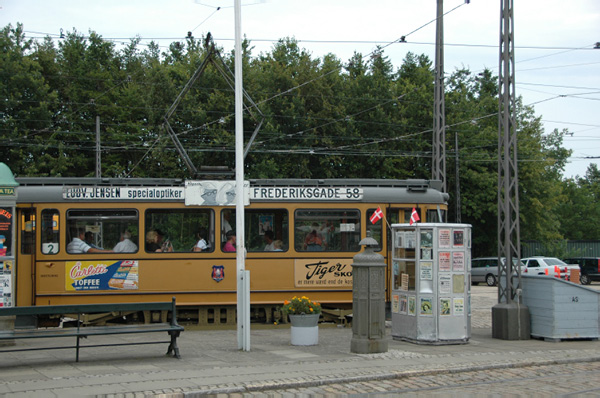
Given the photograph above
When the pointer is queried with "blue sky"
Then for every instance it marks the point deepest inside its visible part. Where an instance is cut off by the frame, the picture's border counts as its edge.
(557, 67)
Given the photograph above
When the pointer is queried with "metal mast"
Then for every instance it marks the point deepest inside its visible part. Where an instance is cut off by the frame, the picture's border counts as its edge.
(508, 179)
(510, 318)
(438, 166)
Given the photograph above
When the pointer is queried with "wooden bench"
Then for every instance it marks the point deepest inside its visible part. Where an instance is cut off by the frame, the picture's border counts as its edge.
(81, 332)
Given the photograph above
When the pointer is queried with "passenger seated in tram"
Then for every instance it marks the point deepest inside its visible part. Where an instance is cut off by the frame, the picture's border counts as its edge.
(278, 245)
(230, 244)
(268, 237)
(89, 239)
(125, 245)
(201, 244)
(314, 240)
(152, 242)
(78, 245)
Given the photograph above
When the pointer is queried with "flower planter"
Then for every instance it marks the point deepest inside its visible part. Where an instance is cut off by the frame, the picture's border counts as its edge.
(305, 329)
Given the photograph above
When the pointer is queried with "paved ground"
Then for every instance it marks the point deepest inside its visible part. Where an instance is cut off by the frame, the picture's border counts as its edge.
(211, 363)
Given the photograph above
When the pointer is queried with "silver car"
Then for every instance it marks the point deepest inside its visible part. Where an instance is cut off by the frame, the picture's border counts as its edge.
(485, 269)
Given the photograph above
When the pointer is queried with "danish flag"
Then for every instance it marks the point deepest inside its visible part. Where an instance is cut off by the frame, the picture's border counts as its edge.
(414, 217)
(376, 216)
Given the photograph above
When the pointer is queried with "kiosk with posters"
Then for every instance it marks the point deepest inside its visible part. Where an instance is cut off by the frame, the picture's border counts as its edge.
(8, 202)
(431, 283)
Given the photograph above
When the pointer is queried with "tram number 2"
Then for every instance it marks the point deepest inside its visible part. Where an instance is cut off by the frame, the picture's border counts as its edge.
(574, 299)
(353, 193)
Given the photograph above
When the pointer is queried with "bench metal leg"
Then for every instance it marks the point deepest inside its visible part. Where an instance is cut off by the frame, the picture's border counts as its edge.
(77, 350)
(173, 345)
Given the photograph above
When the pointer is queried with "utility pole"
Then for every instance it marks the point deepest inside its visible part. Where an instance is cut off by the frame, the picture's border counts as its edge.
(98, 155)
(510, 318)
(457, 199)
(439, 111)
(243, 275)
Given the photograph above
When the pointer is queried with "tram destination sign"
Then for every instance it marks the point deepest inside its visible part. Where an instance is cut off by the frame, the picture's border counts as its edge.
(306, 193)
(123, 193)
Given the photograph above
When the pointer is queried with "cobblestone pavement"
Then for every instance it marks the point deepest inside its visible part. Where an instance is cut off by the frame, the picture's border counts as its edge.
(564, 380)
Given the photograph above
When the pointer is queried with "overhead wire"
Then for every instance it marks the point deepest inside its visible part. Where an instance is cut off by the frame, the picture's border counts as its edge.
(332, 71)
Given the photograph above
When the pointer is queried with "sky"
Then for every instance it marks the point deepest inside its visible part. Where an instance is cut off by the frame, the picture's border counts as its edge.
(557, 67)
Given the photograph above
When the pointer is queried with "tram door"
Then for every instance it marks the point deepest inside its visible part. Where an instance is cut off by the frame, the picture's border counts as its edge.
(25, 257)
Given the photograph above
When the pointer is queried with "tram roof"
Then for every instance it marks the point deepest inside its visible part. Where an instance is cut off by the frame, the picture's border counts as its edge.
(413, 184)
(41, 189)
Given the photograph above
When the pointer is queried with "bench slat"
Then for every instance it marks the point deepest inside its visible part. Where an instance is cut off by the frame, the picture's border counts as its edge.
(84, 308)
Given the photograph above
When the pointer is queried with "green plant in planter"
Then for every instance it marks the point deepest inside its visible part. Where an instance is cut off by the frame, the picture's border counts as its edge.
(300, 306)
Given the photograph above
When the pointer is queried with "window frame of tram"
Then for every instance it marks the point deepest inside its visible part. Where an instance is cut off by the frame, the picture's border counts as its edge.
(106, 226)
(180, 228)
(335, 227)
(27, 231)
(50, 232)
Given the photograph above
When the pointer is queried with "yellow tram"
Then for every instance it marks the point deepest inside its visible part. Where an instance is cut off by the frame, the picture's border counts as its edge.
(300, 239)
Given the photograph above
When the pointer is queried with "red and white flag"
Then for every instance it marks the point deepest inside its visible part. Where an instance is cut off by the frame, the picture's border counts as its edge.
(414, 217)
(377, 215)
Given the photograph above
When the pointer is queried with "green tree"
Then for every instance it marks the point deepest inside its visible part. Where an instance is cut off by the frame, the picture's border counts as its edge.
(26, 103)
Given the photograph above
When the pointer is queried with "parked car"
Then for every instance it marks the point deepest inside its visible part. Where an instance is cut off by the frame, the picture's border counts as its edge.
(589, 267)
(485, 269)
(551, 266)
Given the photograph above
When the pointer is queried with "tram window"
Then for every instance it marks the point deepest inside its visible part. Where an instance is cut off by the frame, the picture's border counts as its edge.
(266, 227)
(176, 230)
(375, 231)
(432, 215)
(333, 230)
(27, 231)
(104, 228)
(50, 231)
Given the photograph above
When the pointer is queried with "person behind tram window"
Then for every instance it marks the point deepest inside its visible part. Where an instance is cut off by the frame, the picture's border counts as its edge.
(201, 244)
(89, 239)
(225, 225)
(268, 237)
(152, 242)
(230, 244)
(78, 245)
(125, 245)
(314, 240)
(278, 245)
(165, 245)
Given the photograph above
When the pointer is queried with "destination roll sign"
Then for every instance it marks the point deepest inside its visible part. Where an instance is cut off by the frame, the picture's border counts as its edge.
(306, 193)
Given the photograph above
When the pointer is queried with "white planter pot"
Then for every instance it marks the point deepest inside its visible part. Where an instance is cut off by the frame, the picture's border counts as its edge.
(305, 329)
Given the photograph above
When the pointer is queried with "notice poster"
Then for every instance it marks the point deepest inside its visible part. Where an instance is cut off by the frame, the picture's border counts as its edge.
(459, 306)
(445, 282)
(404, 283)
(426, 238)
(426, 270)
(412, 305)
(6, 217)
(458, 283)
(426, 306)
(445, 306)
(458, 238)
(395, 303)
(5, 283)
(444, 238)
(458, 261)
(94, 275)
(444, 261)
(403, 304)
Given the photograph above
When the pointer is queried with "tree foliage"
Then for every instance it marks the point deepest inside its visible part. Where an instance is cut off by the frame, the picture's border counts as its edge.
(323, 118)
